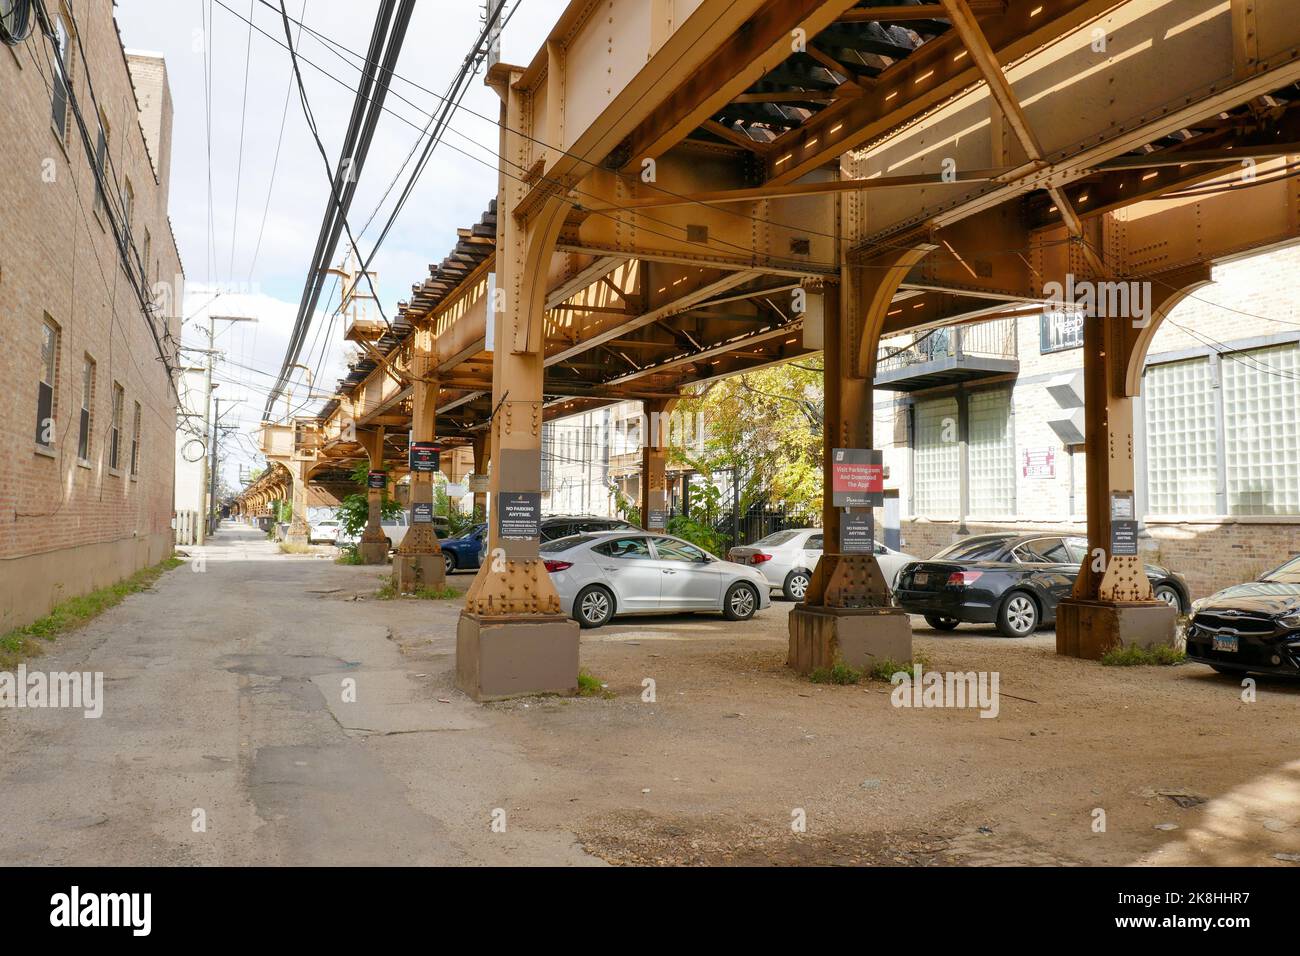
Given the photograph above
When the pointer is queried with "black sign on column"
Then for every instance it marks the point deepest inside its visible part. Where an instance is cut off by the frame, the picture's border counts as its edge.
(858, 532)
(423, 457)
(519, 515)
(377, 480)
(422, 512)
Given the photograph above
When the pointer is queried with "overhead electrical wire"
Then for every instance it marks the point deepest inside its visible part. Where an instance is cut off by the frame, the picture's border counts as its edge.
(385, 42)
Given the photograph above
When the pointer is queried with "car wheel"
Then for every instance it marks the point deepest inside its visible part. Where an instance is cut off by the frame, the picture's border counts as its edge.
(1169, 595)
(593, 606)
(942, 623)
(448, 561)
(389, 542)
(796, 585)
(1018, 615)
(740, 602)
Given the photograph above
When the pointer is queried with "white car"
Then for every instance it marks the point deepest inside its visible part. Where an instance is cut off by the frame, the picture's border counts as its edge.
(600, 576)
(394, 529)
(324, 532)
(787, 559)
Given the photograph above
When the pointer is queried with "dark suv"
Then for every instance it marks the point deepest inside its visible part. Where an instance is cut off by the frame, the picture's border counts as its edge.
(561, 526)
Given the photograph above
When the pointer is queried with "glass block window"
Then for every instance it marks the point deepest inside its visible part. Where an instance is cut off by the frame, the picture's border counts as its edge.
(992, 453)
(1182, 459)
(935, 484)
(1261, 405)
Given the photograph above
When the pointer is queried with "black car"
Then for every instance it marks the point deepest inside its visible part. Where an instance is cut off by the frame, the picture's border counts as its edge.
(561, 526)
(1250, 627)
(1012, 580)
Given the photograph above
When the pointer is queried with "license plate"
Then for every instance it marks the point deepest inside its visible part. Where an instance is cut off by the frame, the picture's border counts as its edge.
(920, 577)
(1224, 643)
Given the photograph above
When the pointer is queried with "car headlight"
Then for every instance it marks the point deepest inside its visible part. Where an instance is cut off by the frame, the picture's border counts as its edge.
(1198, 604)
(1291, 620)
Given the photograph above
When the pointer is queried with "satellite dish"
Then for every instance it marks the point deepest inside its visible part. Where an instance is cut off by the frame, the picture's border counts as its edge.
(15, 21)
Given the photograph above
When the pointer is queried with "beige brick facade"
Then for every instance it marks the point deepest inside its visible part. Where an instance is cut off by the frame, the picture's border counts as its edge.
(69, 524)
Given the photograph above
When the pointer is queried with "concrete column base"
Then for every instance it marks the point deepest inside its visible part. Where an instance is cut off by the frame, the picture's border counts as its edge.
(860, 637)
(1089, 629)
(373, 552)
(516, 656)
(414, 571)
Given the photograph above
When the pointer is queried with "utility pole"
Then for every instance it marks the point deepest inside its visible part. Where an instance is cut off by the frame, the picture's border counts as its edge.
(209, 430)
(212, 472)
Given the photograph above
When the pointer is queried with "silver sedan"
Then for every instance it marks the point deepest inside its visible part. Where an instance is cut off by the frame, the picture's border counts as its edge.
(599, 576)
(787, 559)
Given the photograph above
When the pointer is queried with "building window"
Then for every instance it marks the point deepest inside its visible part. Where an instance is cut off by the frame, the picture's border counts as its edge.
(101, 162)
(128, 207)
(1182, 458)
(87, 404)
(115, 429)
(59, 90)
(135, 441)
(991, 453)
(935, 482)
(47, 392)
(1261, 424)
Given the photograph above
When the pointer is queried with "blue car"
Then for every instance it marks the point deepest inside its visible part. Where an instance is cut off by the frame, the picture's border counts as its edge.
(462, 551)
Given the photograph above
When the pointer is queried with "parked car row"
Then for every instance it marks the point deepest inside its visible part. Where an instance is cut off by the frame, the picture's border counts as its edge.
(605, 567)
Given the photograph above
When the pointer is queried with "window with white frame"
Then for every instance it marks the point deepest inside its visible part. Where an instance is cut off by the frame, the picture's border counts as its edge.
(1261, 424)
(115, 429)
(1182, 457)
(87, 416)
(135, 441)
(991, 452)
(47, 392)
(58, 89)
(935, 482)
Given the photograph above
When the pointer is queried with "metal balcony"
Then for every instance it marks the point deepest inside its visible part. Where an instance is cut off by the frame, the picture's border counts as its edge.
(949, 355)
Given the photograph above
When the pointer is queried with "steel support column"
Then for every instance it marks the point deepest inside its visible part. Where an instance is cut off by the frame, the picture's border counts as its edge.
(299, 531)
(513, 638)
(846, 613)
(481, 448)
(418, 562)
(654, 461)
(373, 548)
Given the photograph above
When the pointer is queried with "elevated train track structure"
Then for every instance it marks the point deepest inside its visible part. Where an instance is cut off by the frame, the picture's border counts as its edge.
(690, 189)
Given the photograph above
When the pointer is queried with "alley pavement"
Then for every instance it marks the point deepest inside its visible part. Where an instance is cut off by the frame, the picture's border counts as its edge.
(258, 709)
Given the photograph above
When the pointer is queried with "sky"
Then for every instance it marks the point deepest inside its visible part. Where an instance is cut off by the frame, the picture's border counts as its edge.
(218, 242)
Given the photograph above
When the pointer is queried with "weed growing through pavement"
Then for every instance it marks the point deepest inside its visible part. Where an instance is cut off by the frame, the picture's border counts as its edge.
(589, 685)
(74, 612)
(1134, 656)
(348, 555)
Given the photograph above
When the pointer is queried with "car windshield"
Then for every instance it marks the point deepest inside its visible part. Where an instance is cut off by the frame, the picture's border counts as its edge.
(974, 549)
(564, 544)
(1288, 573)
(773, 540)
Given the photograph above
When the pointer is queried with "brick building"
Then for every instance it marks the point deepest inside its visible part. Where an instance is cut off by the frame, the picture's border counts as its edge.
(90, 282)
(981, 428)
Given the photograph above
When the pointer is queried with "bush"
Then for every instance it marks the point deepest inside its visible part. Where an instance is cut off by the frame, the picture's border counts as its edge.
(697, 533)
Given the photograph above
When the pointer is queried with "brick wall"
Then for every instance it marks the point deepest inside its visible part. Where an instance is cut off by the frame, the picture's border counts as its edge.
(68, 525)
